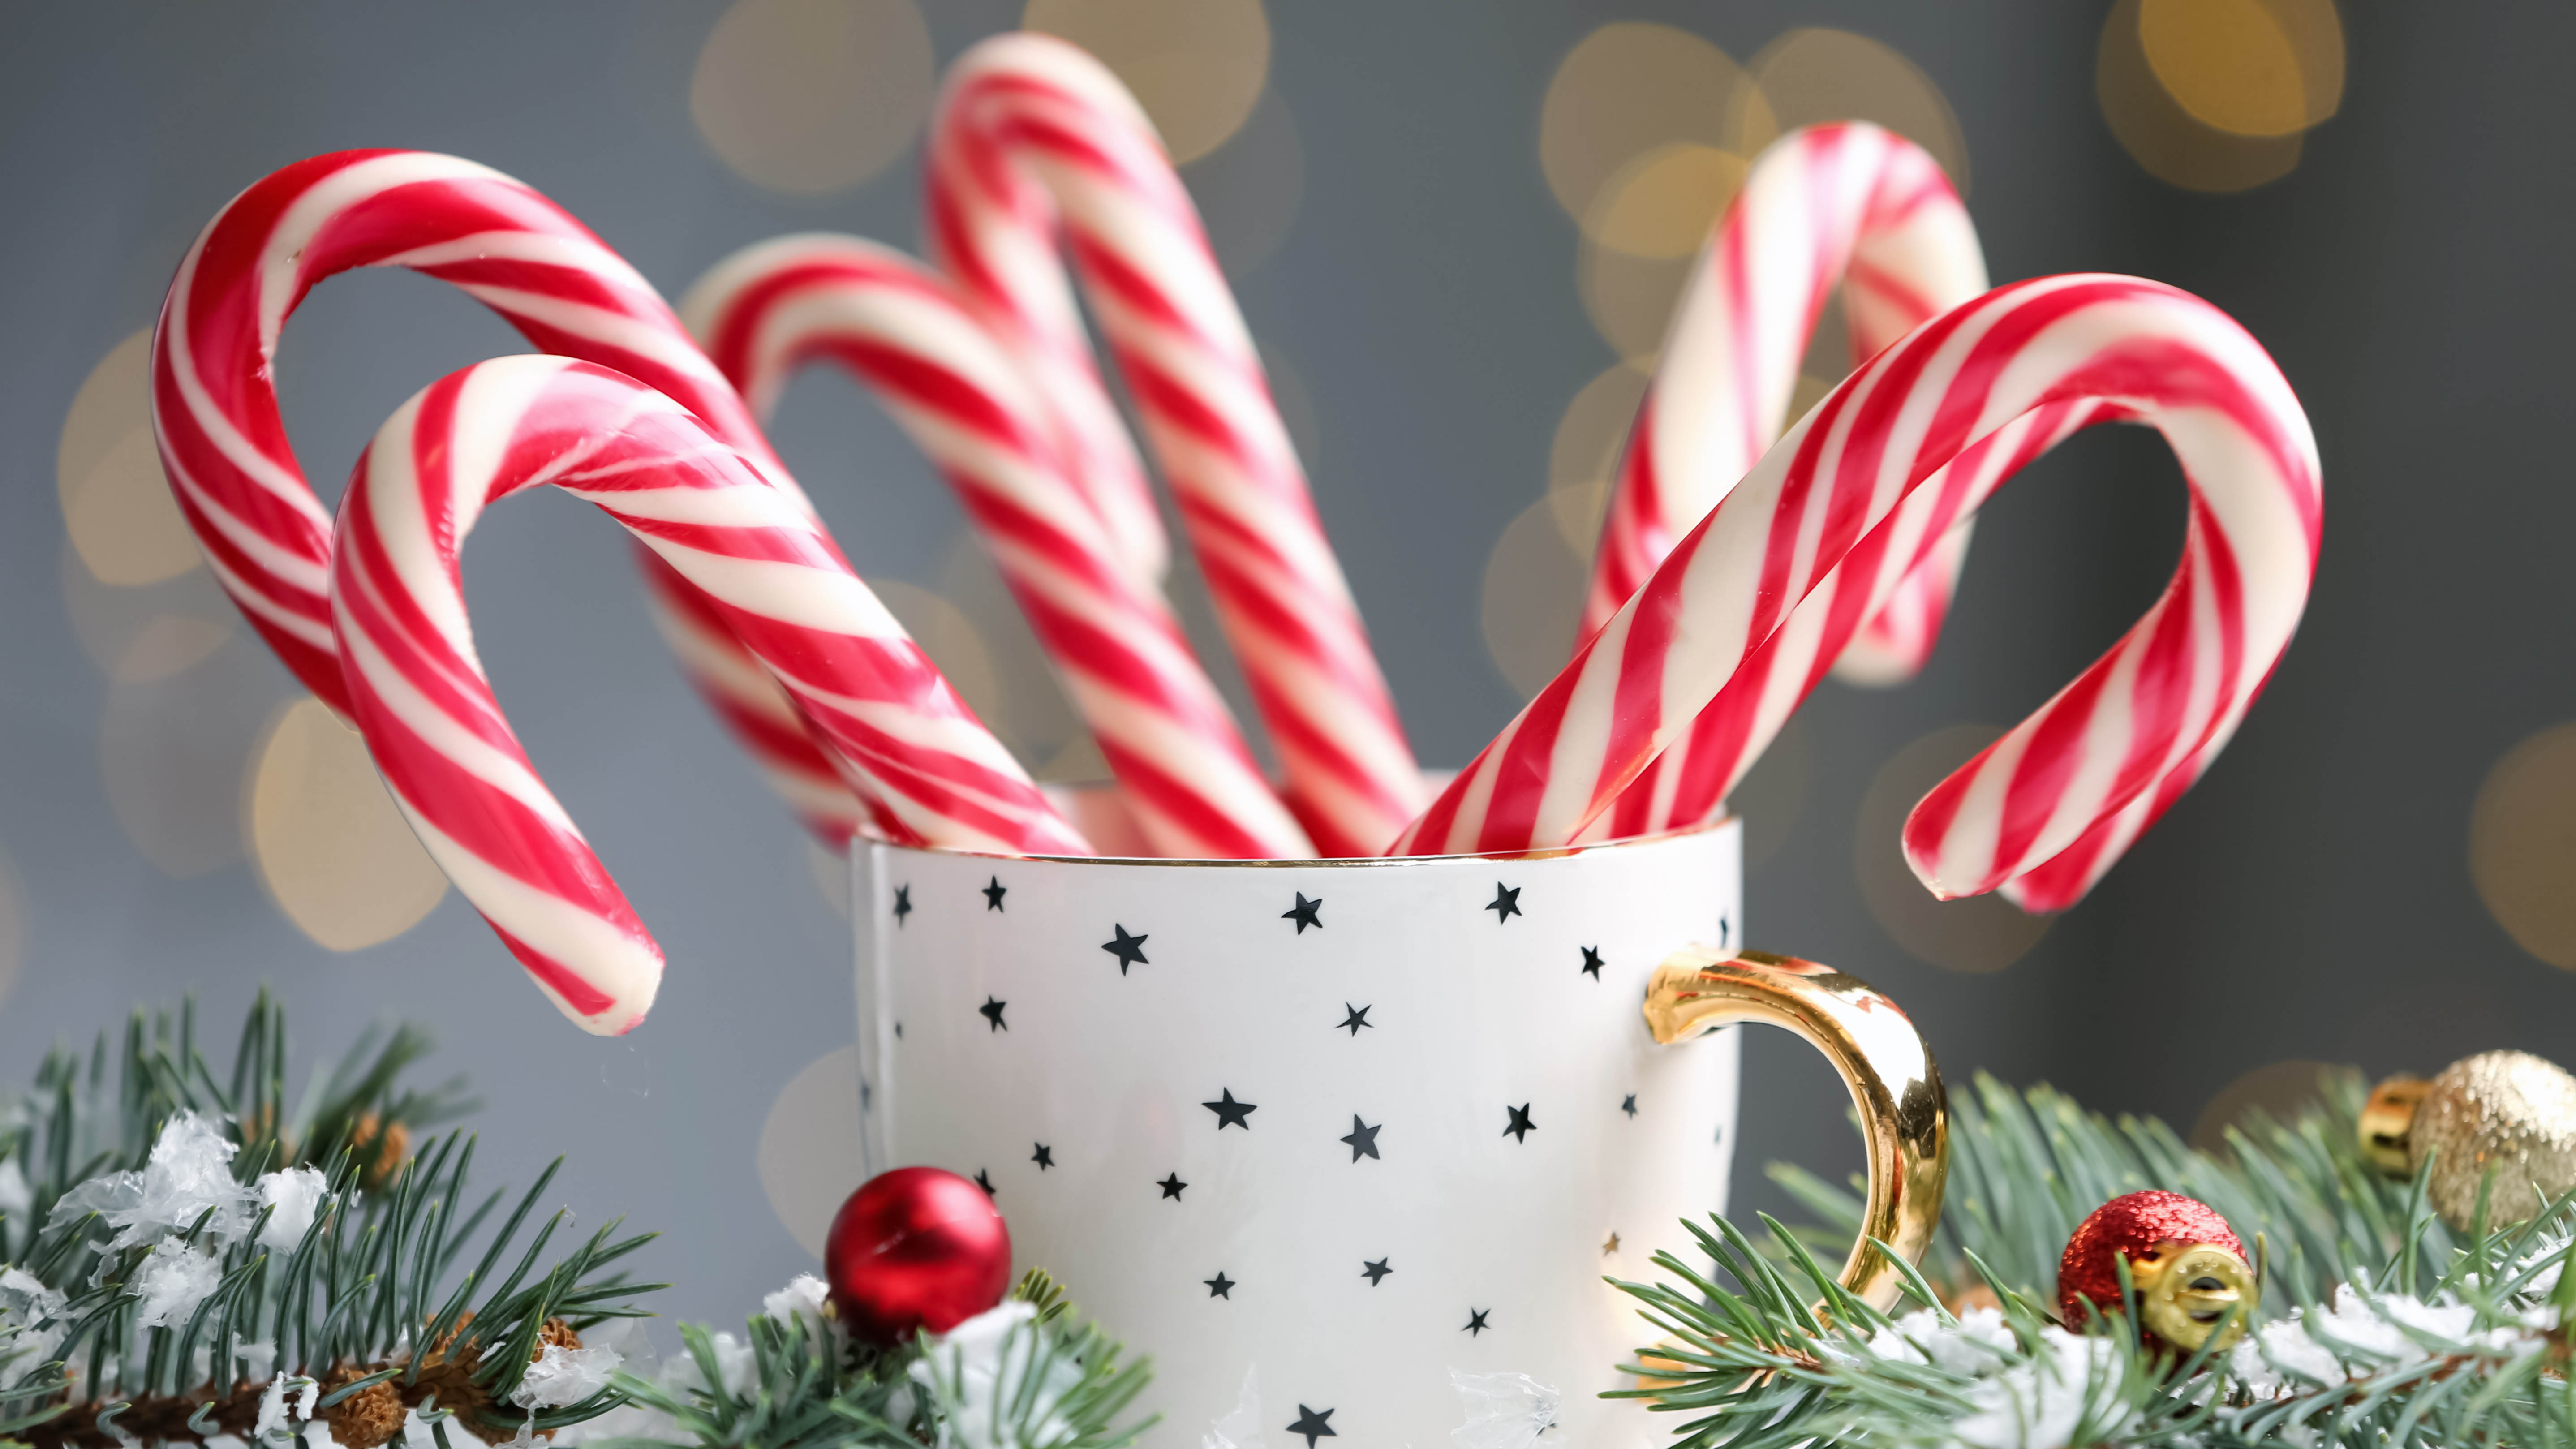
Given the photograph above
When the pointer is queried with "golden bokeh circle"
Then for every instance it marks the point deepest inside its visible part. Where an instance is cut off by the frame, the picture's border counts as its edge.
(2168, 141)
(812, 97)
(107, 471)
(2522, 844)
(335, 853)
(149, 631)
(1976, 934)
(1532, 600)
(1630, 88)
(951, 640)
(808, 1155)
(1196, 66)
(1630, 299)
(1813, 74)
(171, 748)
(2249, 67)
(1583, 458)
(2280, 1091)
(1665, 203)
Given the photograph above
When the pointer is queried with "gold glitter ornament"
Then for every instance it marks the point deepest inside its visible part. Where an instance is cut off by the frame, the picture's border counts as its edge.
(2511, 1114)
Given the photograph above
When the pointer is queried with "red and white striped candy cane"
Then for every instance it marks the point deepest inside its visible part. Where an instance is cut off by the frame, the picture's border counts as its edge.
(1847, 203)
(224, 446)
(756, 559)
(1844, 203)
(1031, 134)
(771, 308)
(2052, 803)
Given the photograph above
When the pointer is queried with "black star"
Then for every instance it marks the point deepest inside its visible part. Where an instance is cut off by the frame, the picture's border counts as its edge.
(1231, 1113)
(902, 903)
(991, 1011)
(1312, 1424)
(1476, 1323)
(1363, 1138)
(993, 894)
(1357, 1017)
(1521, 1126)
(984, 1180)
(1373, 1271)
(1592, 962)
(1130, 950)
(1044, 1157)
(1722, 928)
(1506, 902)
(1305, 913)
(1172, 1186)
(1628, 1104)
(1220, 1286)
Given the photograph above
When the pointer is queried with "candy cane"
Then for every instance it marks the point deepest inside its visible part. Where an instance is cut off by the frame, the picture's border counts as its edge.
(1031, 132)
(224, 445)
(745, 547)
(1847, 203)
(770, 308)
(2097, 760)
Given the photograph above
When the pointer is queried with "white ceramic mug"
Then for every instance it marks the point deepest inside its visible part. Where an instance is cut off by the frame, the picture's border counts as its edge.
(1349, 1124)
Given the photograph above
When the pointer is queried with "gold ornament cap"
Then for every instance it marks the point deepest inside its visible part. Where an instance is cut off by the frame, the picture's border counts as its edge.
(2511, 1114)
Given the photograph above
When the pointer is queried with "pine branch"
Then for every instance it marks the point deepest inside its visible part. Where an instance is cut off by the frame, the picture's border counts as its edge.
(2379, 1326)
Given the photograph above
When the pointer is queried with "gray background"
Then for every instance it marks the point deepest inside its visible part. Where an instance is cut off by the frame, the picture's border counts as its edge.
(2310, 899)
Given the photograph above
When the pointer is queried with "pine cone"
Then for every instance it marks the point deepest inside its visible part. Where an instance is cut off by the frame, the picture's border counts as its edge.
(560, 1334)
(387, 1155)
(367, 1418)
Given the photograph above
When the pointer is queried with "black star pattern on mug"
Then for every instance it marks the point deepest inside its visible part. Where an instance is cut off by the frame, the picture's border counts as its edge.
(1220, 1286)
(902, 903)
(1521, 1126)
(1310, 1422)
(1363, 1138)
(1628, 1104)
(991, 1011)
(993, 894)
(1044, 1157)
(1231, 1113)
(1506, 902)
(1592, 962)
(984, 1180)
(1305, 913)
(1130, 950)
(1722, 928)
(1172, 1186)
(1374, 1269)
(1476, 1324)
(1354, 1017)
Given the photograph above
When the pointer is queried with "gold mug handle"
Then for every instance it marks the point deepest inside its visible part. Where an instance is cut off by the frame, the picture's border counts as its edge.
(1904, 1114)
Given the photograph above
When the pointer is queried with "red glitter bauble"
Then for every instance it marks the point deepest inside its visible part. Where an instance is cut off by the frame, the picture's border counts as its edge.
(2127, 1227)
(915, 1248)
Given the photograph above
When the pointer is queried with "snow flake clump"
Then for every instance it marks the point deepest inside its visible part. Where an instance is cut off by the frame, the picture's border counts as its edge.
(189, 1171)
(292, 1197)
(2286, 1357)
(803, 1299)
(1504, 1411)
(562, 1377)
(998, 1357)
(172, 1282)
(15, 1196)
(1240, 1429)
(2016, 1402)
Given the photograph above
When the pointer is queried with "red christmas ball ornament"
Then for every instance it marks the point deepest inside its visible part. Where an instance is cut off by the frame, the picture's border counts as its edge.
(915, 1248)
(2185, 1264)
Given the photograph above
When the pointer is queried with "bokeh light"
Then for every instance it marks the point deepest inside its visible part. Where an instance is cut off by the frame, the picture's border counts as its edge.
(1812, 75)
(2163, 136)
(2251, 67)
(1664, 203)
(809, 1147)
(2522, 844)
(336, 855)
(1249, 191)
(1980, 933)
(2281, 1091)
(1629, 89)
(1197, 66)
(1630, 299)
(812, 97)
(951, 640)
(116, 504)
(1532, 600)
(146, 632)
(171, 750)
(1584, 457)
